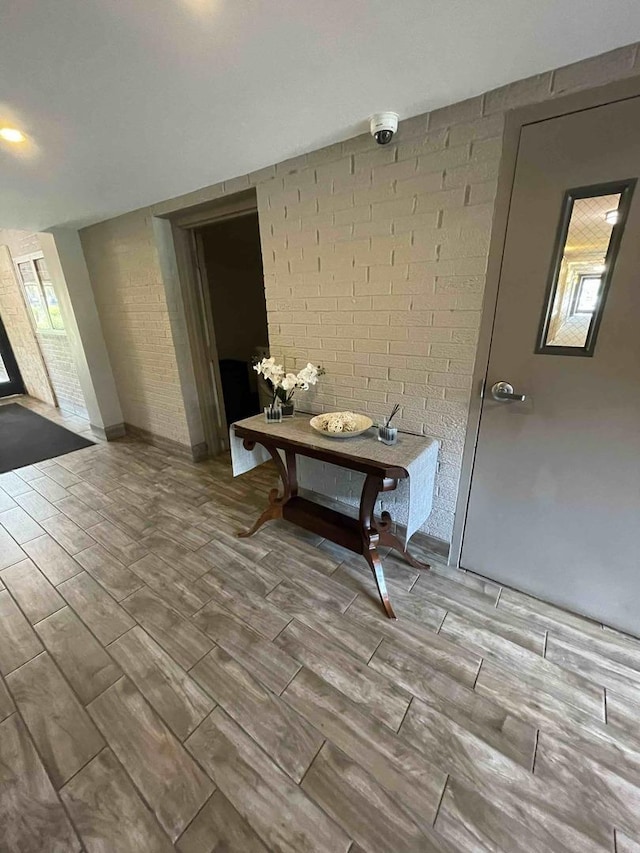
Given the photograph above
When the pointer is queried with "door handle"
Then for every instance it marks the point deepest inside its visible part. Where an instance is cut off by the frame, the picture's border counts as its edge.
(503, 391)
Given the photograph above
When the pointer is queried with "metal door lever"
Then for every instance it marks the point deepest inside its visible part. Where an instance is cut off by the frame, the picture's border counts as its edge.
(503, 391)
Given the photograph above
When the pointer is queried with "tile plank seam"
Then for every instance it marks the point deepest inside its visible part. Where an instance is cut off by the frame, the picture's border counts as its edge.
(107, 747)
(176, 494)
(42, 762)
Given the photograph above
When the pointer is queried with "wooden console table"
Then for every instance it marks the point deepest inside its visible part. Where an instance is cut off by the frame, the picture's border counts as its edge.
(382, 466)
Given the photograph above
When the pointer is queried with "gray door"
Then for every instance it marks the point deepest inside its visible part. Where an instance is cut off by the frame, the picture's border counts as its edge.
(554, 507)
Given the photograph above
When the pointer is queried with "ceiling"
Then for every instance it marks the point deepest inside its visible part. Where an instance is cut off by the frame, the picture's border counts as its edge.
(129, 103)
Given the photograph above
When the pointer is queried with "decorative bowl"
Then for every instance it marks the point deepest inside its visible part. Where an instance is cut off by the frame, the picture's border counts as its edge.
(363, 423)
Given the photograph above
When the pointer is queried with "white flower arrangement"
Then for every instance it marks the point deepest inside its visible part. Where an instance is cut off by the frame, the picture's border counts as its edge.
(285, 384)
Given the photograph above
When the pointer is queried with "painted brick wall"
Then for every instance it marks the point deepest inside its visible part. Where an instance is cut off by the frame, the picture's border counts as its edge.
(130, 298)
(62, 371)
(374, 260)
(374, 263)
(38, 353)
(16, 320)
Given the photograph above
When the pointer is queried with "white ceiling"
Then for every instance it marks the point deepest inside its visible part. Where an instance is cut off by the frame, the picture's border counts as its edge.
(128, 102)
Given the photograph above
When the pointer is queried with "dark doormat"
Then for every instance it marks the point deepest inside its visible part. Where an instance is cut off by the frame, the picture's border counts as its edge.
(26, 437)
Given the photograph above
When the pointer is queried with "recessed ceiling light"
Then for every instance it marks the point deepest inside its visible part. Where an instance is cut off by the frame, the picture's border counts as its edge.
(611, 216)
(12, 134)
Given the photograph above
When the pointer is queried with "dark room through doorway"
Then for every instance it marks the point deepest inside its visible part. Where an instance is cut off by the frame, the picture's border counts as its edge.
(230, 252)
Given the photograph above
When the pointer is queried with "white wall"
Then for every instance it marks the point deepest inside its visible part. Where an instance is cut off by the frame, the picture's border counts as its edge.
(67, 267)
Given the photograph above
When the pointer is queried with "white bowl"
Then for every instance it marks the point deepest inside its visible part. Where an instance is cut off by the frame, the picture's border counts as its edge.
(364, 423)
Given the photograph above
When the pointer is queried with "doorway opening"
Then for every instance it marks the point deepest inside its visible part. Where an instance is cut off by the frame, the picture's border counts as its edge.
(211, 261)
(10, 378)
(229, 257)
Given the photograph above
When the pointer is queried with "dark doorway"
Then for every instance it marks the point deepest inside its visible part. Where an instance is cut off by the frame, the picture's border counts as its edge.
(10, 379)
(231, 254)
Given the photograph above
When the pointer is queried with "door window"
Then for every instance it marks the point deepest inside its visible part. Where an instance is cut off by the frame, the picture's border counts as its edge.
(591, 227)
(40, 294)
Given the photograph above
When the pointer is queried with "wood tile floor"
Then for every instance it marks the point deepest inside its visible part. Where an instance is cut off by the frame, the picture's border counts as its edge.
(166, 686)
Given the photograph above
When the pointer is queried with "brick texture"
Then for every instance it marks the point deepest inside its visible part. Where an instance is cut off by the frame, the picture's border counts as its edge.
(130, 298)
(15, 318)
(44, 358)
(61, 367)
(374, 262)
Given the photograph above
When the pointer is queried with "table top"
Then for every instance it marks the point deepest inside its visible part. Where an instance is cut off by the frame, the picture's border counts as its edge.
(363, 452)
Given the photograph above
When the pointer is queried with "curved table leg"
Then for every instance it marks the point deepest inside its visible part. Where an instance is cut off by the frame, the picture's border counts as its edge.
(391, 540)
(371, 538)
(372, 557)
(273, 511)
(276, 500)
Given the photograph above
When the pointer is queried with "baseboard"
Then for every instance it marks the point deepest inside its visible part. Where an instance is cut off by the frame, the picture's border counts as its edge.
(195, 454)
(439, 547)
(200, 452)
(431, 543)
(108, 433)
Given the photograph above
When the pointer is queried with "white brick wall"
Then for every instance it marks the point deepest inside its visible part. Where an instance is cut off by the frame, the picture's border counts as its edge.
(374, 263)
(15, 317)
(38, 353)
(61, 367)
(130, 298)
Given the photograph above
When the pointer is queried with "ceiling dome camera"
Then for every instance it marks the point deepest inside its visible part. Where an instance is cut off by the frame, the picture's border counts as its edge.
(383, 127)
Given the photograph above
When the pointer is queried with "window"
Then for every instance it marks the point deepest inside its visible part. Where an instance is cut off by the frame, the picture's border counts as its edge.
(587, 294)
(591, 225)
(40, 294)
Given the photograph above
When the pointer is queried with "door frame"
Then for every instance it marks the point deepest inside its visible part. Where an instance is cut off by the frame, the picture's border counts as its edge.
(184, 275)
(515, 121)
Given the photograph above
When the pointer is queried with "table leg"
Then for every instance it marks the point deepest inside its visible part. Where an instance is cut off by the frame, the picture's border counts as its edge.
(373, 558)
(373, 533)
(276, 500)
(392, 541)
(371, 538)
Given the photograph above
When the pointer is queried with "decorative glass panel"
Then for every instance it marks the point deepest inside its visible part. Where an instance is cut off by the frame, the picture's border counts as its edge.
(53, 306)
(26, 272)
(591, 227)
(41, 295)
(36, 303)
(42, 269)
